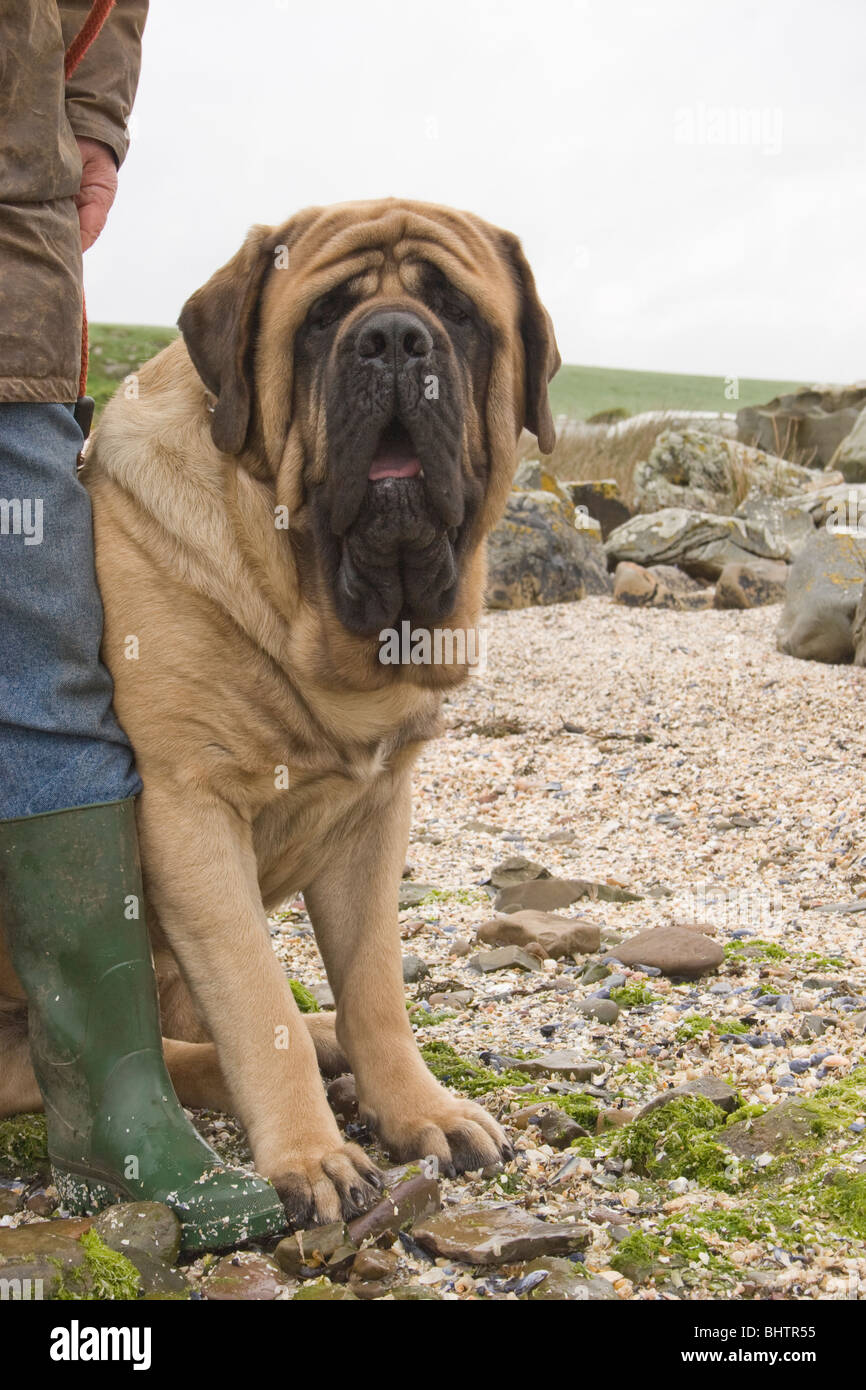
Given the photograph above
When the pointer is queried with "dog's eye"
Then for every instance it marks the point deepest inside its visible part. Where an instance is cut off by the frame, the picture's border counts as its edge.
(325, 311)
(455, 312)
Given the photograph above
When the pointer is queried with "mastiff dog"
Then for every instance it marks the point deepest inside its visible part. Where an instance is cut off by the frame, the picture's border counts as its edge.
(314, 463)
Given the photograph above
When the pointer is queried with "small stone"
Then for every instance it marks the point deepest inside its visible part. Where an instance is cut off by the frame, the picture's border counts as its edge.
(460, 946)
(675, 950)
(858, 1021)
(372, 1272)
(557, 1129)
(812, 1026)
(497, 1235)
(504, 958)
(150, 1227)
(605, 1010)
(343, 1097)
(246, 1276)
(516, 870)
(710, 1087)
(323, 995)
(408, 1199)
(307, 1252)
(12, 1195)
(411, 894)
(561, 1063)
(414, 969)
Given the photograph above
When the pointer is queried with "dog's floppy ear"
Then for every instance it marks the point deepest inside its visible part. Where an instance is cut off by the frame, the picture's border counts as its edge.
(541, 355)
(218, 324)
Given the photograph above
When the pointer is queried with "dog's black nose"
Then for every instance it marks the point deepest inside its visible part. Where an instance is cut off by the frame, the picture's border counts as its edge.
(394, 337)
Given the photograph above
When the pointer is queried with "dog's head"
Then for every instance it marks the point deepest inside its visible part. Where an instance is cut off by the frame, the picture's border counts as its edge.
(378, 361)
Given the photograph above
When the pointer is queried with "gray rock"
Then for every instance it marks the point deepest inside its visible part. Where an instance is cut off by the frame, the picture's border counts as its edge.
(812, 422)
(411, 894)
(637, 586)
(674, 950)
(786, 525)
(774, 1132)
(566, 1282)
(536, 556)
(850, 456)
(605, 1010)
(149, 1227)
(824, 588)
(504, 958)
(414, 969)
(323, 995)
(751, 585)
(812, 1026)
(710, 1087)
(517, 869)
(562, 1063)
(497, 1235)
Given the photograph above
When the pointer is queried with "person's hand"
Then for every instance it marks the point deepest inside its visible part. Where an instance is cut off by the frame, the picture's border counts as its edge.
(98, 187)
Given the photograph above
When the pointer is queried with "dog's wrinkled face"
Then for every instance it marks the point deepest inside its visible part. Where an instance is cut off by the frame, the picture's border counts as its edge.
(380, 374)
(399, 378)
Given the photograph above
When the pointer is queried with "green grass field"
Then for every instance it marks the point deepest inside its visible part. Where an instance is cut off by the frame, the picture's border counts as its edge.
(583, 391)
(117, 349)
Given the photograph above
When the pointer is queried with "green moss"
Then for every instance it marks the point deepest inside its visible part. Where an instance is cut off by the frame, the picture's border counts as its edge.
(627, 996)
(732, 1025)
(820, 962)
(420, 1018)
(303, 998)
(23, 1145)
(670, 1246)
(469, 896)
(755, 947)
(675, 1140)
(470, 1077)
(105, 1274)
(692, 1026)
(843, 1200)
(578, 1107)
(746, 1112)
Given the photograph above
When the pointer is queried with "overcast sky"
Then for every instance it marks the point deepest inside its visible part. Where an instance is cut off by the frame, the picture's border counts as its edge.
(688, 178)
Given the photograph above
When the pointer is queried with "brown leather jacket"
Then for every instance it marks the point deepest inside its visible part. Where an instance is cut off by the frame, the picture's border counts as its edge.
(40, 172)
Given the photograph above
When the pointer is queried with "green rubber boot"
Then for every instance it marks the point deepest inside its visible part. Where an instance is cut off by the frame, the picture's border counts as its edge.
(72, 907)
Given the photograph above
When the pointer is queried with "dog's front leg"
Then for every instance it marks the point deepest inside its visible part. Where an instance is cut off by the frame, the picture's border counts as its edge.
(359, 938)
(201, 879)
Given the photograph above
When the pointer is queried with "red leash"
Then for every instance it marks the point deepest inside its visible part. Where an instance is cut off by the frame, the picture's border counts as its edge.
(99, 13)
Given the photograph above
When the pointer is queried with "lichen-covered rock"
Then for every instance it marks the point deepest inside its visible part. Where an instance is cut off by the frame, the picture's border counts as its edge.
(824, 589)
(850, 457)
(599, 498)
(536, 556)
(785, 526)
(702, 471)
(698, 542)
(532, 476)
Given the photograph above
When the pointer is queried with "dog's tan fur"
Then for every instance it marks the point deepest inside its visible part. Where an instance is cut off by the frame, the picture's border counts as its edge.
(240, 668)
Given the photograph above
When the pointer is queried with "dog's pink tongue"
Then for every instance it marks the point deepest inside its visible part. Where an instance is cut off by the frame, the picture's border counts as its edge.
(395, 458)
(394, 468)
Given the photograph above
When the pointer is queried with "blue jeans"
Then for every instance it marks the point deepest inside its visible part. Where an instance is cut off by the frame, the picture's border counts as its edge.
(60, 742)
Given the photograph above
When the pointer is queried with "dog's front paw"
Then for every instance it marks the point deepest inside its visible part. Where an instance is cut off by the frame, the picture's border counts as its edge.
(326, 1184)
(461, 1134)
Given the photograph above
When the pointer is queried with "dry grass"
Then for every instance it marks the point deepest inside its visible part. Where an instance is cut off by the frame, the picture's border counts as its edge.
(584, 452)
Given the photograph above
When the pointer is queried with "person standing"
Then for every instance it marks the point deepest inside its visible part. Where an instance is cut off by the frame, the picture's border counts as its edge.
(71, 901)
